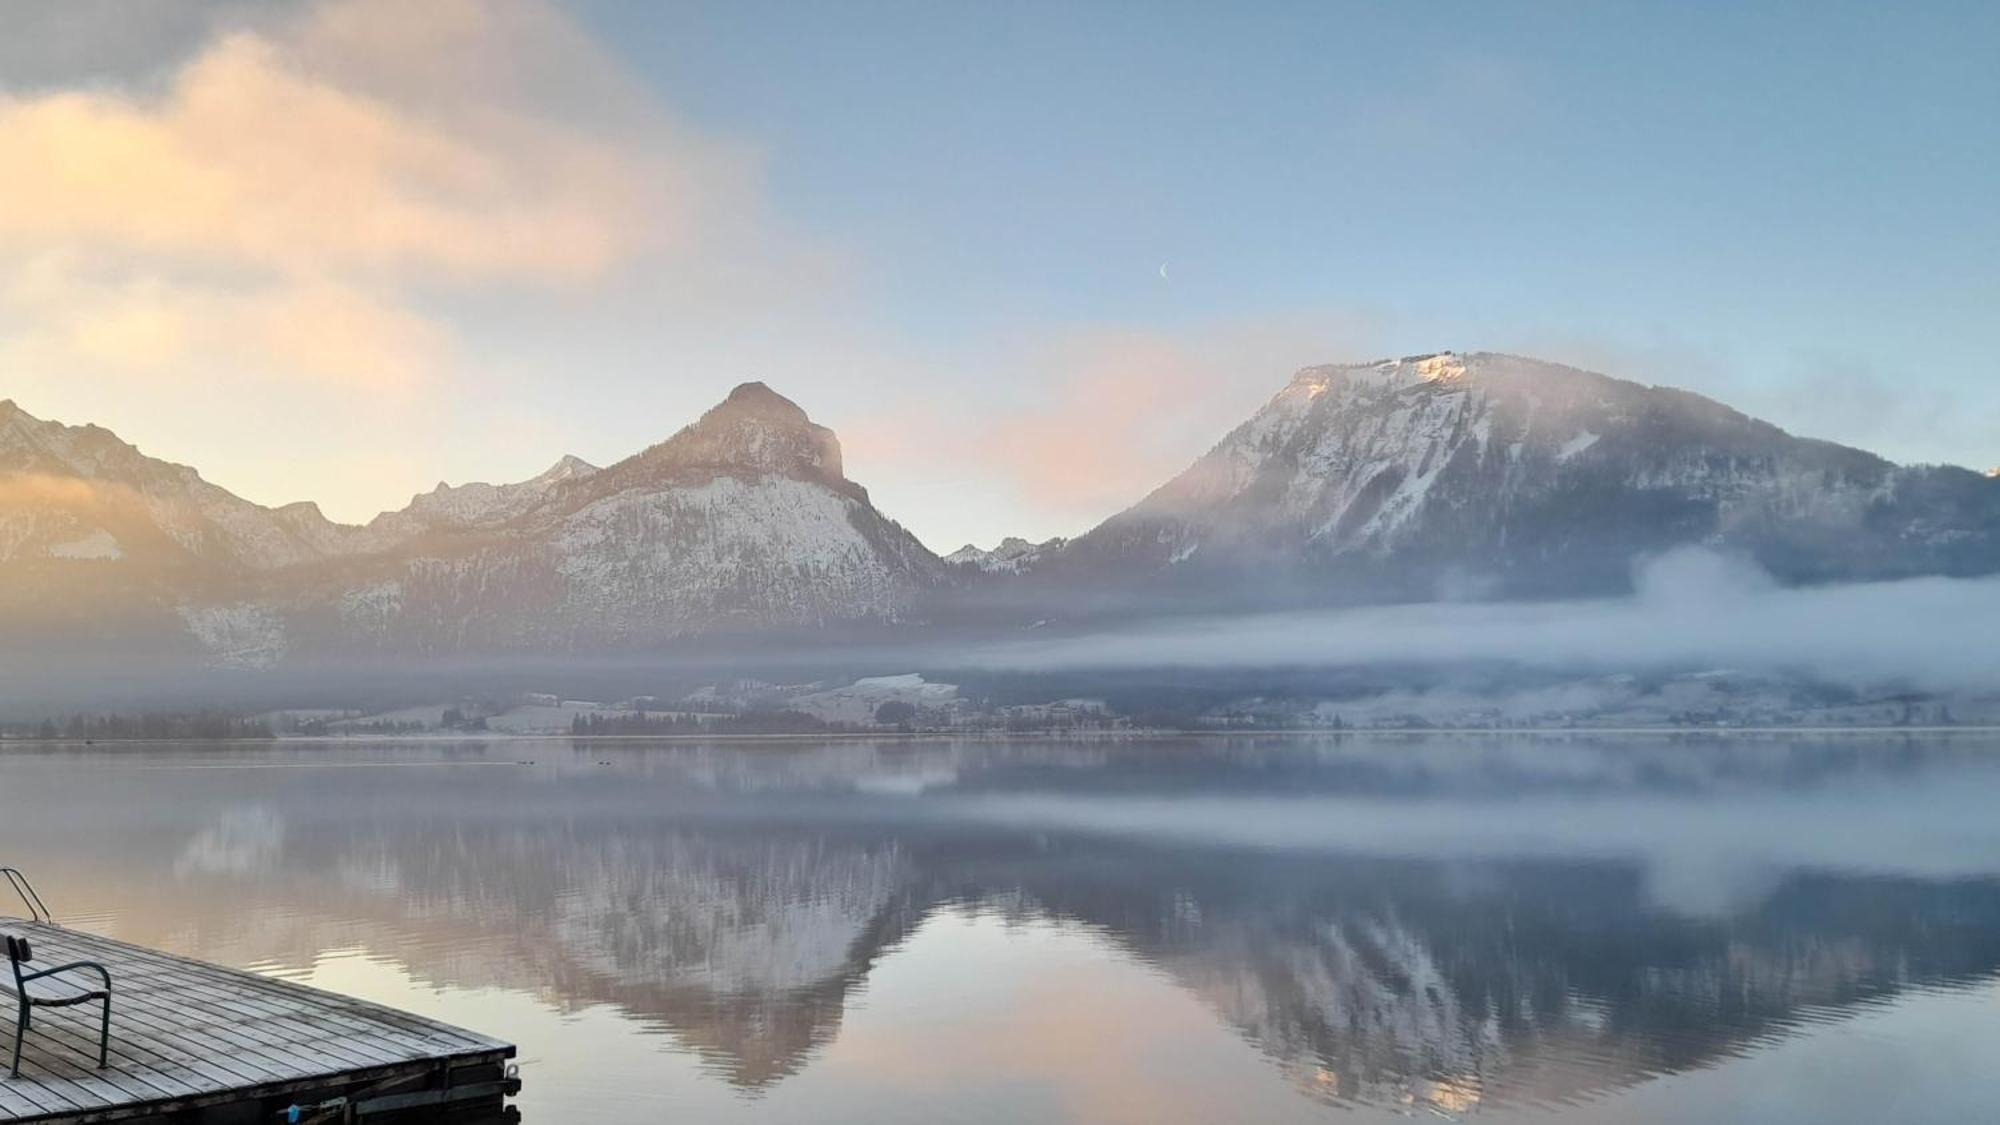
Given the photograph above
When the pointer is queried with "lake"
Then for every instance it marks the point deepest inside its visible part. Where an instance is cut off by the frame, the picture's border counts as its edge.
(1547, 929)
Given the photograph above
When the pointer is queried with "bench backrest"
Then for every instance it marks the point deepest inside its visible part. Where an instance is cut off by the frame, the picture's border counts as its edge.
(18, 954)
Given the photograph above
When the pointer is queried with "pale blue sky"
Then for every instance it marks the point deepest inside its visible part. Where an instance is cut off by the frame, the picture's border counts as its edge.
(1794, 206)
(946, 223)
(1756, 179)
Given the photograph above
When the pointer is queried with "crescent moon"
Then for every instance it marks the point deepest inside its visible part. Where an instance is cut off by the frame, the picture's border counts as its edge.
(1163, 271)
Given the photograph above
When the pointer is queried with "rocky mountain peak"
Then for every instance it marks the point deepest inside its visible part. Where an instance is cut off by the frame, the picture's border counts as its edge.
(570, 467)
(742, 520)
(39, 445)
(754, 430)
(1440, 369)
(759, 399)
(16, 422)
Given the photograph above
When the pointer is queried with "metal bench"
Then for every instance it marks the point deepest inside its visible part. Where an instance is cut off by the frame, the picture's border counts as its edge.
(57, 987)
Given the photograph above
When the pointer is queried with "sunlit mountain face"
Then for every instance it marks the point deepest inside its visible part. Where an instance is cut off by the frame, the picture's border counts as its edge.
(742, 520)
(1434, 925)
(1454, 475)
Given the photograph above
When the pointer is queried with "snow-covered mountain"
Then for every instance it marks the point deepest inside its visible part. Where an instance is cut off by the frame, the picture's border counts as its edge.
(1433, 476)
(1486, 474)
(79, 494)
(101, 546)
(1013, 556)
(478, 504)
(742, 521)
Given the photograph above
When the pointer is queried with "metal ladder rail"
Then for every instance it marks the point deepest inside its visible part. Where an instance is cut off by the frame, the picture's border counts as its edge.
(37, 910)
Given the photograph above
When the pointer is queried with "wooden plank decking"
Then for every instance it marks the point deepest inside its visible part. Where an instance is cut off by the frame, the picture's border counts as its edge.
(192, 1041)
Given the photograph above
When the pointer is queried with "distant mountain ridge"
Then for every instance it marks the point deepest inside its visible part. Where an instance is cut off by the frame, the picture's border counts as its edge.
(1014, 555)
(72, 489)
(478, 503)
(82, 492)
(741, 521)
(1443, 475)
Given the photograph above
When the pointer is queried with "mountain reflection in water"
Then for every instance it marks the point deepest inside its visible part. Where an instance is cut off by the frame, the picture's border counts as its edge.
(1452, 925)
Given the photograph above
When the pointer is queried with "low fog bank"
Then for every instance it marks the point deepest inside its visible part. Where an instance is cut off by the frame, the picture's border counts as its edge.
(32, 690)
(1692, 609)
(1705, 639)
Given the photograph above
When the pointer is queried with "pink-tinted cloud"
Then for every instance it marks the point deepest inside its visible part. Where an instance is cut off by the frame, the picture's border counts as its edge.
(1116, 425)
(289, 196)
(157, 327)
(1097, 421)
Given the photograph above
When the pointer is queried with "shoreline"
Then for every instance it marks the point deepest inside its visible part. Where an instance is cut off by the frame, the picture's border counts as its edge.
(1299, 734)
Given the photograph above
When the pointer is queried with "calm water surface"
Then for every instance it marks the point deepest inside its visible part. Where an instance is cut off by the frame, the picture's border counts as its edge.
(1548, 930)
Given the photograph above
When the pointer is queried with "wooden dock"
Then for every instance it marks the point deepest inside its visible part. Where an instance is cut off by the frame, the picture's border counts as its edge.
(198, 1043)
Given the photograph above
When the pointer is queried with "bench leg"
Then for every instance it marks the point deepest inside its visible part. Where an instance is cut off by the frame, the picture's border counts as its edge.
(20, 1033)
(104, 1036)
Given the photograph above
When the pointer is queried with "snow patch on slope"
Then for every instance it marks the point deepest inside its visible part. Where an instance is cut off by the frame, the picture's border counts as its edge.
(99, 544)
(1576, 445)
(237, 636)
(857, 702)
